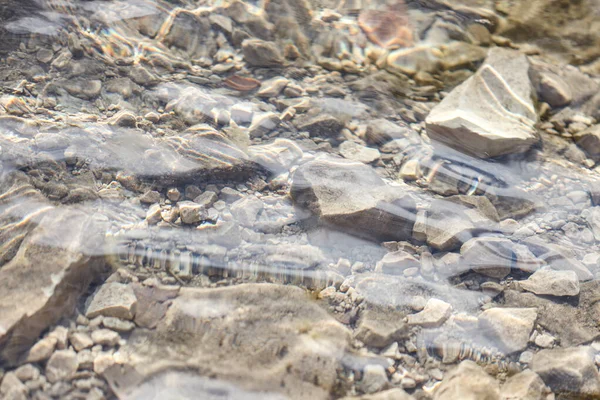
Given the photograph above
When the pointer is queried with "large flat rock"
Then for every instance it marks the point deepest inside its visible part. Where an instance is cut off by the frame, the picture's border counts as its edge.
(490, 114)
(42, 282)
(352, 197)
(260, 336)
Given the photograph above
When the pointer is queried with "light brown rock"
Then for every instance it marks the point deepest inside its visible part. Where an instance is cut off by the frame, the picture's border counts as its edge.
(509, 328)
(113, 299)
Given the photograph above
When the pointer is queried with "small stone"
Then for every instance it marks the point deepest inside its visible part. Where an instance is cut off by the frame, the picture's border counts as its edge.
(589, 141)
(547, 281)
(553, 90)
(246, 210)
(154, 214)
(42, 350)
(263, 123)
(356, 152)
(526, 385)
(396, 262)
(412, 60)
(323, 125)
(102, 362)
(510, 328)
(80, 341)
(125, 119)
(61, 366)
(27, 372)
(526, 357)
(118, 324)
(192, 191)
(173, 194)
(260, 53)
(61, 334)
(435, 313)
(191, 213)
(544, 340)
(468, 381)
(150, 197)
(113, 300)
(105, 337)
(568, 370)
(374, 379)
(206, 199)
(272, 87)
(378, 328)
(447, 227)
(12, 388)
(489, 256)
(410, 170)
(44, 55)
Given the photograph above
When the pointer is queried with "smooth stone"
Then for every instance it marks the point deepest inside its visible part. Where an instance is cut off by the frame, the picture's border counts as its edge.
(468, 381)
(246, 210)
(547, 281)
(80, 341)
(374, 379)
(490, 256)
(356, 152)
(272, 87)
(391, 394)
(491, 113)
(105, 337)
(396, 262)
(589, 141)
(113, 299)
(278, 156)
(353, 198)
(412, 60)
(323, 125)
(553, 90)
(568, 370)
(509, 328)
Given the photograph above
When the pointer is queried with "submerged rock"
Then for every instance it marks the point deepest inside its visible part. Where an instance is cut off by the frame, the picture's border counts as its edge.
(509, 328)
(491, 113)
(468, 381)
(547, 281)
(256, 334)
(352, 197)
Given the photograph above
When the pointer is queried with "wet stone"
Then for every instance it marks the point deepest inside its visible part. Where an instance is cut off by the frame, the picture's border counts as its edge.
(113, 300)
(435, 313)
(468, 381)
(61, 366)
(547, 281)
(526, 385)
(351, 196)
(489, 256)
(396, 262)
(80, 341)
(191, 213)
(321, 126)
(498, 98)
(509, 328)
(260, 53)
(12, 388)
(356, 152)
(105, 337)
(570, 370)
(378, 328)
(589, 141)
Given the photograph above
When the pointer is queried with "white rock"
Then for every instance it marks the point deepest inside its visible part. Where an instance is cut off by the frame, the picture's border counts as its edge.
(492, 112)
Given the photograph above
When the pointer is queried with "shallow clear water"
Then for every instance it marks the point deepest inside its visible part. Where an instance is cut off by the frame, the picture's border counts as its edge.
(299, 199)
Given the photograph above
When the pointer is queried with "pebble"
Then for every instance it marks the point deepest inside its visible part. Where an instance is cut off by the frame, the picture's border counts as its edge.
(356, 152)
(435, 313)
(42, 350)
(191, 213)
(105, 337)
(80, 341)
(374, 379)
(62, 365)
(113, 300)
(468, 381)
(260, 53)
(547, 281)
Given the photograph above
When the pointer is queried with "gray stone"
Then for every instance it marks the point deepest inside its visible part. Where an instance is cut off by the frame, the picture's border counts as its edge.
(260, 53)
(323, 125)
(246, 210)
(150, 197)
(526, 385)
(558, 257)
(378, 328)
(491, 113)
(589, 141)
(278, 156)
(61, 366)
(412, 60)
(447, 226)
(569, 371)
(490, 256)
(27, 372)
(263, 123)
(435, 313)
(356, 152)
(272, 87)
(374, 379)
(118, 324)
(509, 328)
(257, 334)
(547, 281)
(553, 90)
(468, 381)
(191, 213)
(382, 131)
(391, 394)
(396, 262)
(42, 282)
(352, 197)
(83, 88)
(51, 141)
(12, 388)
(113, 300)
(80, 341)
(105, 337)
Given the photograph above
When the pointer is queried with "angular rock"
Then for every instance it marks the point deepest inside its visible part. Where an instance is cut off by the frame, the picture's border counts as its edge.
(569, 371)
(447, 226)
(593, 220)
(61, 366)
(526, 385)
(378, 328)
(509, 328)
(256, 334)
(412, 60)
(191, 213)
(355, 152)
(374, 379)
(113, 299)
(246, 210)
(589, 141)
(468, 381)
(547, 281)
(435, 313)
(351, 196)
(42, 350)
(391, 394)
(260, 53)
(12, 388)
(491, 113)
(323, 125)
(80, 341)
(489, 256)
(272, 87)
(558, 257)
(381, 131)
(105, 337)
(553, 90)
(53, 266)
(396, 262)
